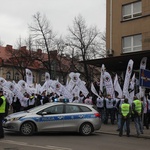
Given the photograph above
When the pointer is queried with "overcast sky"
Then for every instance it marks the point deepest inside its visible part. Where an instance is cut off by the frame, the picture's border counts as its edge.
(16, 15)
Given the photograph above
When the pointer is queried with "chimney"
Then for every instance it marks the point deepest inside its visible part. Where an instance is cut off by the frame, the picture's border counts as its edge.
(23, 48)
(39, 51)
(9, 47)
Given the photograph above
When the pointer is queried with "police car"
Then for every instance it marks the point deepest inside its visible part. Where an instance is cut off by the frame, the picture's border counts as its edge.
(50, 117)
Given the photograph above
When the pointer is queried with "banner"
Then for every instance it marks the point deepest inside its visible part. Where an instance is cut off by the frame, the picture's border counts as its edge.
(75, 91)
(142, 66)
(131, 87)
(117, 87)
(145, 78)
(94, 90)
(29, 77)
(127, 78)
(101, 78)
(2, 81)
(143, 63)
(61, 90)
(47, 76)
(74, 79)
(108, 84)
(83, 88)
(76, 82)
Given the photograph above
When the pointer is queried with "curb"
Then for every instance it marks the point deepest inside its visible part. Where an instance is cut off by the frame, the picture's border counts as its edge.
(112, 133)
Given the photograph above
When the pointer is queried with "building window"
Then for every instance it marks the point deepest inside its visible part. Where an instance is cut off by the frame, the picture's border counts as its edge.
(8, 75)
(43, 77)
(17, 76)
(132, 10)
(132, 43)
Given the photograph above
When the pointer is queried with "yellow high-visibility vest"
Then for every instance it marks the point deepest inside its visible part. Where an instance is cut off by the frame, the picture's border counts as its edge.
(125, 109)
(138, 105)
(3, 106)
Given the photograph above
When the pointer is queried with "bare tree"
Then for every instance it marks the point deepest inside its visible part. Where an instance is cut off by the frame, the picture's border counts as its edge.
(29, 43)
(103, 44)
(1, 42)
(85, 42)
(21, 59)
(61, 56)
(43, 37)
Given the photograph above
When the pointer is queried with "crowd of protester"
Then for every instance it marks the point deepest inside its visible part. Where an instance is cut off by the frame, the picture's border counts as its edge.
(111, 109)
(40, 99)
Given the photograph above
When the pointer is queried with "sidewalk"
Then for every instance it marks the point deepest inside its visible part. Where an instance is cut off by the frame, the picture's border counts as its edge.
(111, 129)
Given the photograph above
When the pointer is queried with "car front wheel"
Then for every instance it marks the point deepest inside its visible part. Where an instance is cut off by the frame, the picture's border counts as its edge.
(86, 129)
(27, 128)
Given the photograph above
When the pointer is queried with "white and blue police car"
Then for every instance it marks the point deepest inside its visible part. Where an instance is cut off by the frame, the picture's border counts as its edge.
(55, 116)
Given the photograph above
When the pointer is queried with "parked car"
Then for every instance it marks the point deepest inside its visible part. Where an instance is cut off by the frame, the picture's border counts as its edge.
(56, 116)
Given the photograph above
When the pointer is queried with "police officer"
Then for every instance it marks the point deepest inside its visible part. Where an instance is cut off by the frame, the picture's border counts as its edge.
(118, 108)
(137, 108)
(2, 111)
(125, 110)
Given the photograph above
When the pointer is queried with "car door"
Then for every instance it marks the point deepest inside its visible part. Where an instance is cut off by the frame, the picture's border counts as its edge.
(72, 117)
(51, 118)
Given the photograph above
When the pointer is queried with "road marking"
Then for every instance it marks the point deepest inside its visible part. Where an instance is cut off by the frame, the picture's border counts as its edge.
(35, 146)
(58, 148)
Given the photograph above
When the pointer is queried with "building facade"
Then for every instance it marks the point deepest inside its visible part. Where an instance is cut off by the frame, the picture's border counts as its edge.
(127, 26)
(13, 67)
(127, 35)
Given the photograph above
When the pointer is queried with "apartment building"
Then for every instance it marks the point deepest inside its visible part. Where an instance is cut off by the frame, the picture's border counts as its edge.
(128, 26)
(127, 34)
(128, 29)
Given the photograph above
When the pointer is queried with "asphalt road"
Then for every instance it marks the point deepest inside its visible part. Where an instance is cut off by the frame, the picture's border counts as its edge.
(72, 141)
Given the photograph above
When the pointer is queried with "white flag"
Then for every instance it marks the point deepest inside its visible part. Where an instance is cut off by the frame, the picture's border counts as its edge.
(75, 91)
(37, 88)
(10, 86)
(82, 87)
(2, 81)
(143, 63)
(101, 78)
(127, 78)
(29, 77)
(70, 86)
(117, 87)
(108, 84)
(47, 76)
(22, 84)
(94, 90)
(61, 90)
(66, 93)
(132, 92)
(74, 81)
(132, 83)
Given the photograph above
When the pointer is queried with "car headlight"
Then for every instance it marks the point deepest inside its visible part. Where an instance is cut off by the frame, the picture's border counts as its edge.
(14, 119)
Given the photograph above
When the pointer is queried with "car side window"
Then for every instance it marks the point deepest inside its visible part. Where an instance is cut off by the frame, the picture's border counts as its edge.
(58, 109)
(85, 109)
(72, 109)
